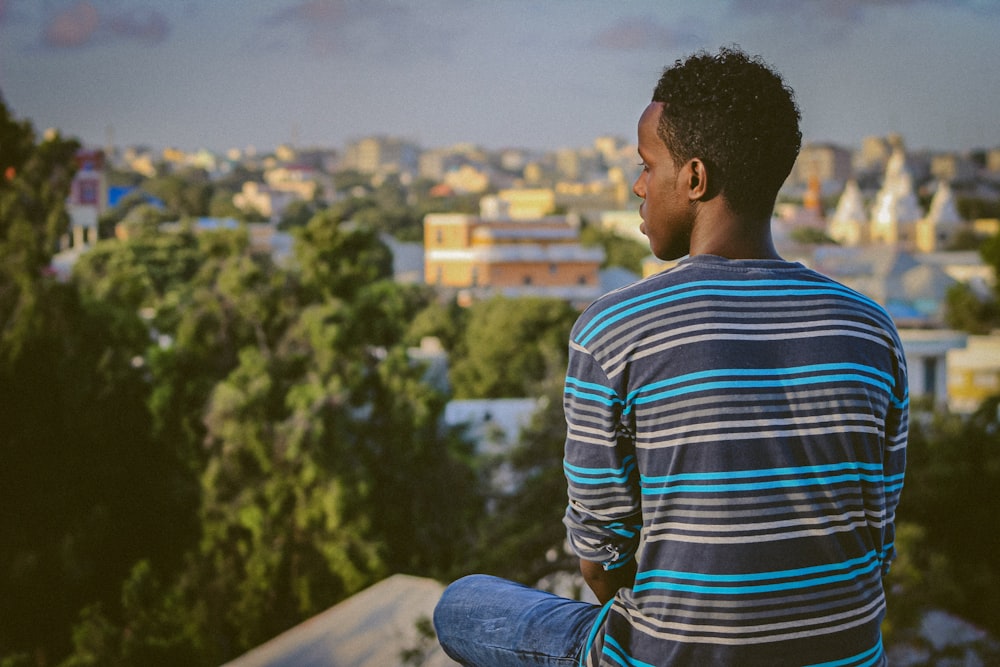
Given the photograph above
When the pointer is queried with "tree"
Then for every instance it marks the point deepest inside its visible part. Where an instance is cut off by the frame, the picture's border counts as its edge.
(511, 346)
(976, 313)
(953, 469)
(336, 257)
(185, 194)
(966, 310)
(510, 545)
(618, 251)
(84, 489)
(34, 183)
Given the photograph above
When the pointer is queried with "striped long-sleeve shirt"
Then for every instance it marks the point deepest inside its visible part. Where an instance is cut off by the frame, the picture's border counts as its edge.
(739, 427)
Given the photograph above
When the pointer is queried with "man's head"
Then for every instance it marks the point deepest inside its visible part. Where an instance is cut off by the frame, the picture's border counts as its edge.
(737, 116)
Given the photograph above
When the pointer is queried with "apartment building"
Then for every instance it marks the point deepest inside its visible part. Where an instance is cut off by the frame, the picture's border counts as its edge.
(493, 253)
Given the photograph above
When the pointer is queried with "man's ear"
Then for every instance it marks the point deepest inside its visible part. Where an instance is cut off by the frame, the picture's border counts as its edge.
(697, 179)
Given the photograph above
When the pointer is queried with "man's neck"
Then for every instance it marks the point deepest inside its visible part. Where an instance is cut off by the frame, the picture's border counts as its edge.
(719, 231)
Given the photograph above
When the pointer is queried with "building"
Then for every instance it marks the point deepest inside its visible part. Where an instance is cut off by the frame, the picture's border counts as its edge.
(941, 224)
(974, 373)
(828, 164)
(381, 155)
(848, 225)
(896, 211)
(927, 353)
(528, 203)
(895, 217)
(88, 198)
(494, 253)
(911, 289)
(263, 199)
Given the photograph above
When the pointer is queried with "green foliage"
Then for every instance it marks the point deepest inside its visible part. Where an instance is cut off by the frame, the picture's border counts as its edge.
(967, 311)
(527, 550)
(811, 236)
(972, 208)
(185, 194)
(511, 346)
(444, 321)
(159, 630)
(34, 183)
(336, 257)
(949, 503)
(298, 214)
(86, 492)
(618, 251)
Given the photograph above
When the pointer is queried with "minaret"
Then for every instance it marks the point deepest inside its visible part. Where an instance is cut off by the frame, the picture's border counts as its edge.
(849, 223)
(896, 210)
(942, 221)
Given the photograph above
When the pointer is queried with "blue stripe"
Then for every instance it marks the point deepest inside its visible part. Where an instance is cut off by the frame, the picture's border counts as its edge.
(738, 288)
(599, 471)
(614, 650)
(757, 384)
(589, 385)
(763, 588)
(759, 576)
(598, 622)
(809, 370)
(765, 472)
(594, 397)
(758, 486)
(863, 659)
(811, 290)
(618, 478)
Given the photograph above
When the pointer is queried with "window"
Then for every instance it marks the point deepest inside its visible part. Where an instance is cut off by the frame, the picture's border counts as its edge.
(88, 192)
(930, 376)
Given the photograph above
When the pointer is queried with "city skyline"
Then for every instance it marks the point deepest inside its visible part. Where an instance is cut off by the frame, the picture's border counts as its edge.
(506, 74)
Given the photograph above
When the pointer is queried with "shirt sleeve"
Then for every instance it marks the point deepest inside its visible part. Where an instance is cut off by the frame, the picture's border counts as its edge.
(894, 461)
(604, 515)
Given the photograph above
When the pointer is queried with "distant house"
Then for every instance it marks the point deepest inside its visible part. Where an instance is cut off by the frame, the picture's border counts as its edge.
(911, 290)
(495, 254)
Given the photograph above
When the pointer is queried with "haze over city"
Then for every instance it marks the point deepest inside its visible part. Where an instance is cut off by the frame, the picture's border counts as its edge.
(239, 73)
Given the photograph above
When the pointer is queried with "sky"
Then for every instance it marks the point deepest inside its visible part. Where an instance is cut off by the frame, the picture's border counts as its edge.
(536, 74)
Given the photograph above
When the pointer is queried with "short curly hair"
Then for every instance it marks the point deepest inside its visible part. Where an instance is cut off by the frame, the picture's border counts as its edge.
(737, 115)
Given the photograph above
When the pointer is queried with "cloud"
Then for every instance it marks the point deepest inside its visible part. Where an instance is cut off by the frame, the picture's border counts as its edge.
(381, 28)
(848, 12)
(148, 26)
(640, 33)
(73, 27)
(81, 24)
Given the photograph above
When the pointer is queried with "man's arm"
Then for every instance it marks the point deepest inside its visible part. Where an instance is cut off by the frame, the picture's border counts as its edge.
(605, 583)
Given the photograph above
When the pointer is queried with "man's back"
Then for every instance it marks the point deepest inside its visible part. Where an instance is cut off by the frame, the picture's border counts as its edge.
(748, 419)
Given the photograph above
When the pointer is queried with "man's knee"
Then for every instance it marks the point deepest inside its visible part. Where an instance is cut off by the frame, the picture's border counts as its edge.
(455, 598)
(453, 608)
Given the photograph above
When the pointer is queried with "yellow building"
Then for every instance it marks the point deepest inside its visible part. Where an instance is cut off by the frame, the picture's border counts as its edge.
(496, 253)
(528, 203)
(974, 373)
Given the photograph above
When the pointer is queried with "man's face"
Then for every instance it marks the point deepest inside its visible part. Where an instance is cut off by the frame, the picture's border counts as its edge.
(665, 209)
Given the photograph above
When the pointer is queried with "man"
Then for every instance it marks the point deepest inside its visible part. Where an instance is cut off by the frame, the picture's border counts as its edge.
(736, 425)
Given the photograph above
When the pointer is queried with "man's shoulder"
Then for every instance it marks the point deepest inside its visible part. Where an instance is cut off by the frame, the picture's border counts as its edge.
(620, 303)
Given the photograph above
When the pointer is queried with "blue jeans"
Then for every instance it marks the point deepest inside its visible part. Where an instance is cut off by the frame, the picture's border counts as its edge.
(484, 621)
